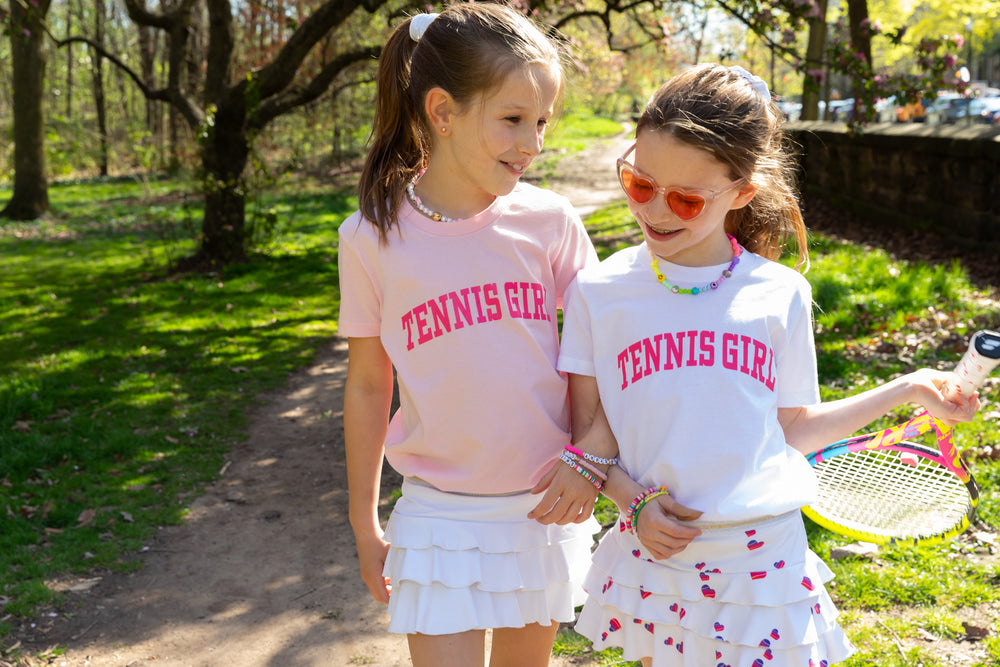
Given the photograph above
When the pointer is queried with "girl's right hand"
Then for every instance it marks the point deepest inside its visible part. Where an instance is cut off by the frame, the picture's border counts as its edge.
(660, 527)
(372, 553)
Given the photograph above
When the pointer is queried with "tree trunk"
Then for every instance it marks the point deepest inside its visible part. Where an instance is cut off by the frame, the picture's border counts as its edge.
(30, 198)
(224, 154)
(97, 77)
(815, 69)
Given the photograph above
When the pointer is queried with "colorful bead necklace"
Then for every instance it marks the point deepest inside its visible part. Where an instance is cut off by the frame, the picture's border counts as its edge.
(726, 273)
(419, 205)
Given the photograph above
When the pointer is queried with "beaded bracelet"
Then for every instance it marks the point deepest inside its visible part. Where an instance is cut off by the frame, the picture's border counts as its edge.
(589, 466)
(590, 457)
(632, 513)
(583, 471)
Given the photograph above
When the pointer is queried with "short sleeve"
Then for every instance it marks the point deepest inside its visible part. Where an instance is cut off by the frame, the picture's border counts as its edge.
(575, 252)
(799, 383)
(360, 288)
(576, 352)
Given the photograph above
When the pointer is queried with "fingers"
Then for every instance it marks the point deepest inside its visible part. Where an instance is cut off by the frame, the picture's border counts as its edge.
(380, 589)
(672, 507)
(545, 481)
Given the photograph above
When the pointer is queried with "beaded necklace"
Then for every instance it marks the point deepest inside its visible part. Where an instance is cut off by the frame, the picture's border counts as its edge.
(694, 291)
(419, 205)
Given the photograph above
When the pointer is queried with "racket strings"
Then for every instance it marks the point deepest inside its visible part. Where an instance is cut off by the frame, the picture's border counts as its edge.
(878, 492)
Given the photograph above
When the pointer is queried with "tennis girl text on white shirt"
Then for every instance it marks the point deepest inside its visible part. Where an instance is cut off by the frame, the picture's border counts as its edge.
(666, 351)
(471, 306)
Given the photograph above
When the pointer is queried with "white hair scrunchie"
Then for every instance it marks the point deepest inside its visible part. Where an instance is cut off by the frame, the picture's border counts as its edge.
(418, 25)
(755, 82)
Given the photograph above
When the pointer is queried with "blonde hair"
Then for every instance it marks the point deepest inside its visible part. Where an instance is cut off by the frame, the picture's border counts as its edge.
(714, 108)
(468, 50)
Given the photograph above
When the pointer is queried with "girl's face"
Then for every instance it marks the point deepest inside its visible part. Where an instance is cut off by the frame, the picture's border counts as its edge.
(699, 241)
(495, 138)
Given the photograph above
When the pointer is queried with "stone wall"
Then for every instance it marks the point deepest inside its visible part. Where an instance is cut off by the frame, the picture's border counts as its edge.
(909, 175)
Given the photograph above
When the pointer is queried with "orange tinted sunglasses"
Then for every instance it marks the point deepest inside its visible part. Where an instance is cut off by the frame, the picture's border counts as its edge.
(685, 204)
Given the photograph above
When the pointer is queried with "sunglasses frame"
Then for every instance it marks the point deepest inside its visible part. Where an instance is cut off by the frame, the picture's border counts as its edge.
(707, 196)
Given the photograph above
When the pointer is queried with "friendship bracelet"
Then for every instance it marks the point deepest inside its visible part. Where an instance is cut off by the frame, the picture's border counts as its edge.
(589, 466)
(583, 471)
(632, 513)
(591, 457)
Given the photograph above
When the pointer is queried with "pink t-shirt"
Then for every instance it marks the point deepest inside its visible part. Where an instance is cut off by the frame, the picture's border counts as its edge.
(467, 313)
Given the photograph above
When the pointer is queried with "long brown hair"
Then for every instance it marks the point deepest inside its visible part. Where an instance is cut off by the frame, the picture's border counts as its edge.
(468, 50)
(714, 108)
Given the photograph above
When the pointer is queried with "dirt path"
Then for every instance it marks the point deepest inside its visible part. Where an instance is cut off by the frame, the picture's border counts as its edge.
(264, 571)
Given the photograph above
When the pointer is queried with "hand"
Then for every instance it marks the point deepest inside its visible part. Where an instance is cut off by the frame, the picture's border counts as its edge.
(569, 496)
(929, 385)
(372, 552)
(660, 527)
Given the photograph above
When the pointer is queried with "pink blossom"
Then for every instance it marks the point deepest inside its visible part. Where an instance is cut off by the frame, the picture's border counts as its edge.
(949, 60)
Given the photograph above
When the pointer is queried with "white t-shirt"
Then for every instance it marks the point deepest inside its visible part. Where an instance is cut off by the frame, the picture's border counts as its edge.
(467, 313)
(691, 384)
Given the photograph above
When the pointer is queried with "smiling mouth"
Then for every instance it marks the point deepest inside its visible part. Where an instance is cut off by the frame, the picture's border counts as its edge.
(519, 168)
(658, 230)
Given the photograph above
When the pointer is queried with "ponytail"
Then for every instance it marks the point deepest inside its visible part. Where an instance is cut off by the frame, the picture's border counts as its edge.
(400, 146)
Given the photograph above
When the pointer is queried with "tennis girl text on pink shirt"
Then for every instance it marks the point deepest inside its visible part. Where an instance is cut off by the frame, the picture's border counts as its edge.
(471, 306)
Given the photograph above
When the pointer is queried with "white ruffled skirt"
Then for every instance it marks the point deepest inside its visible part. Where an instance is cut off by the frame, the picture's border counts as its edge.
(750, 595)
(461, 562)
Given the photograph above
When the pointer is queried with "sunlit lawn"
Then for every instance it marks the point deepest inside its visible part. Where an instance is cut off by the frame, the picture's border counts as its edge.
(121, 387)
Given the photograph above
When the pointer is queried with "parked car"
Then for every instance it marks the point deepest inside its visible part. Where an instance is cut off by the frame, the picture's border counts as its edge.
(988, 110)
(947, 109)
(841, 110)
(791, 110)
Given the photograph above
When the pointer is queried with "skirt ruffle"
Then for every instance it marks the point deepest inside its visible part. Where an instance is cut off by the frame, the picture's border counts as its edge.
(751, 595)
(460, 562)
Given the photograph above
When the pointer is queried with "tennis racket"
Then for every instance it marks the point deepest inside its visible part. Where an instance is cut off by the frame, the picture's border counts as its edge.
(882, 488)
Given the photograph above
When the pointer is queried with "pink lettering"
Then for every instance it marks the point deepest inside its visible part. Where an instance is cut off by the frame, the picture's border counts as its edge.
(462, 308)
(492, 295)
(675, 351)
(442, 321)
(423, 331)
(513, 306)
(707, 343)
(408, 326)
(729, 351)
(759, 357)
(622, 358)
(633, 351)
(652, 350)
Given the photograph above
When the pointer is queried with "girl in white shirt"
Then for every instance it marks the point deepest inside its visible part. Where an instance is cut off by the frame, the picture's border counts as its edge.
(700, 349)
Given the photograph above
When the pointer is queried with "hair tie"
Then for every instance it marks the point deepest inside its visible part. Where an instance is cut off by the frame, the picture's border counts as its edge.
(418, 25)
(755, 82)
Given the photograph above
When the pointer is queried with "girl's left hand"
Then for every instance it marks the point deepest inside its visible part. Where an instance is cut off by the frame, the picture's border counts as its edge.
(569, 497)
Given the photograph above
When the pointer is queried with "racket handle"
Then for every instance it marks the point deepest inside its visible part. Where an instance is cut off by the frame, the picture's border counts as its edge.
(981, 358)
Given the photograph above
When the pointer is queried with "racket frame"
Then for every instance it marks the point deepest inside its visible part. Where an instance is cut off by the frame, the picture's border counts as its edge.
(896, 439)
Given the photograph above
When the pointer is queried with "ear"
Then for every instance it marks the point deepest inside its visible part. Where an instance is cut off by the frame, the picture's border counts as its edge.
(746, 194)
(440, 108)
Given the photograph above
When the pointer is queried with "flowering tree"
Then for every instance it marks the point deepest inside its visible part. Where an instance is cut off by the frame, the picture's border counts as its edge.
(852, 56)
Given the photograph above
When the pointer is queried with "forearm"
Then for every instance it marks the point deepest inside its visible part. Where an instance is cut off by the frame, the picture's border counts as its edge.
(591, 431)
(810, 428)
(367, 402)
(620, 488)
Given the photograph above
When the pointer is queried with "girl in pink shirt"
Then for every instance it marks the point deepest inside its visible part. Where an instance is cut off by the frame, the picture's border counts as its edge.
(451, 276)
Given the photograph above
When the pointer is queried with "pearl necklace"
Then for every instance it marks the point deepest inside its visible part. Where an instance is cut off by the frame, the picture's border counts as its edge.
(726, 273)
(419, 205)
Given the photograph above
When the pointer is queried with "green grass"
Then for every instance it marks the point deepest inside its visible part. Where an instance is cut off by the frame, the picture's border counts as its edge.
(121, 389)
